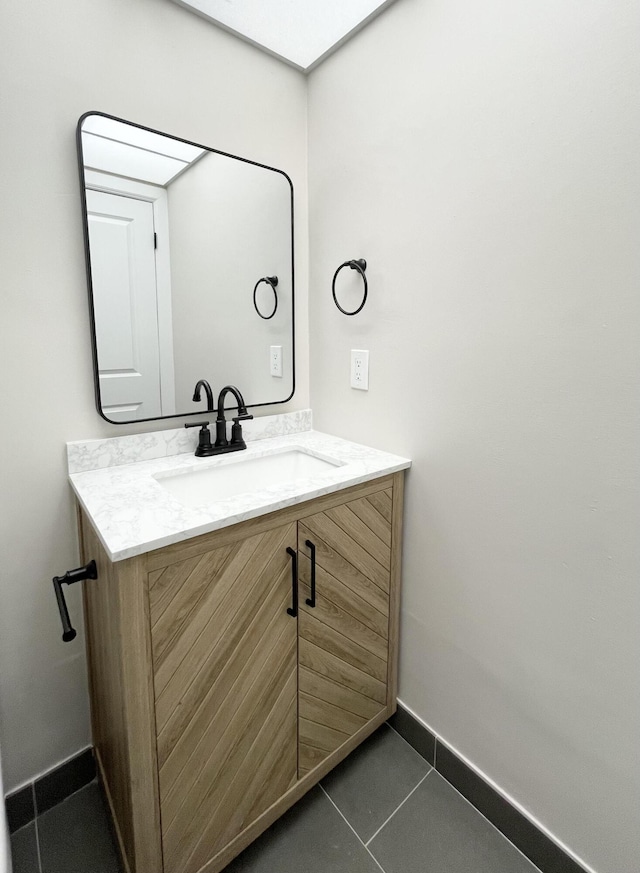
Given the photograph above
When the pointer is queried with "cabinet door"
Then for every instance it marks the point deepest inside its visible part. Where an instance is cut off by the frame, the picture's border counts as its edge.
(224, 662)
(344, 638)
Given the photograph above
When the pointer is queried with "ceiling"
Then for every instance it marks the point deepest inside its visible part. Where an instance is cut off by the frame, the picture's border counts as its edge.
(300, 32)
(122, 149)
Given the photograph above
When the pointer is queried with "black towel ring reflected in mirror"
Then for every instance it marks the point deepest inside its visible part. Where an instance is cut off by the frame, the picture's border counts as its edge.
(360, 265)
(268, 280)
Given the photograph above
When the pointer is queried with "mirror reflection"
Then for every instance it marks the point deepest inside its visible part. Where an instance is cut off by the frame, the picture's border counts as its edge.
(188, 249)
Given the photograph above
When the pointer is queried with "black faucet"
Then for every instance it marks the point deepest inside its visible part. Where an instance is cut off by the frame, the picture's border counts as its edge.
(222, 444)
(207, 390)
(237, 442)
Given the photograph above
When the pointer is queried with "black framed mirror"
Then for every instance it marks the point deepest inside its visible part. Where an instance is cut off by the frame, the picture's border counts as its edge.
(177, 235)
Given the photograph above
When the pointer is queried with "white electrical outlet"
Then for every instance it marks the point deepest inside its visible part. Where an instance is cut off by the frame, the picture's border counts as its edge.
(360, 369)
(275, 358)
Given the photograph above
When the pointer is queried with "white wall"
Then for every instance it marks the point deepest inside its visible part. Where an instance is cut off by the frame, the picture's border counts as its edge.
(484, 158)
(151, 62)
(229, 225)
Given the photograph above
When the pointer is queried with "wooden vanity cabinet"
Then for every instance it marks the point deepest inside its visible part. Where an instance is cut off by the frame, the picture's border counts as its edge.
(213, 708)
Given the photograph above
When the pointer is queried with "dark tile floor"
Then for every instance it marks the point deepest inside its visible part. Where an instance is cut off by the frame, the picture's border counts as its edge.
(384, 809)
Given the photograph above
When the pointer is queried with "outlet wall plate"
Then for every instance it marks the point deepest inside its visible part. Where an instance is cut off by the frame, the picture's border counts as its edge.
(360, 369)
(275, 361)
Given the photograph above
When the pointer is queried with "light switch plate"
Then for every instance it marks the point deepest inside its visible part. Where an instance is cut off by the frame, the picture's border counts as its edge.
(360, 369)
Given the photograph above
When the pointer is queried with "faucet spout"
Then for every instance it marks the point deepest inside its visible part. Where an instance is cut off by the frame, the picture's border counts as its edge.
(203, 384)
(231, 389)
(237, 441)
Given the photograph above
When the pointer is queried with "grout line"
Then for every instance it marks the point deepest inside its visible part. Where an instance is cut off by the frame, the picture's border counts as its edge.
(501, 792)
(363, 844)
(398, 807)
(488, 820)
(35, 825)
(435, 769)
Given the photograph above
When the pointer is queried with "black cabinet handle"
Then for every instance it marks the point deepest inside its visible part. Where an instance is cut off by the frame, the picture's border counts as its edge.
(293, 609)
(311, 601)
(89, 571)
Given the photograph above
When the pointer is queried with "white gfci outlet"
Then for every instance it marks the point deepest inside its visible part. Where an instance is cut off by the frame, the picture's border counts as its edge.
(360, 369)
(275, 358)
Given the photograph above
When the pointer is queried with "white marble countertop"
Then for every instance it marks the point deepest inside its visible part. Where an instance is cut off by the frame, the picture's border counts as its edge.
(132, 513)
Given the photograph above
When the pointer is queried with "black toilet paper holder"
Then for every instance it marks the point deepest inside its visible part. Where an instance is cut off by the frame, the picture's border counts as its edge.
(89, 571)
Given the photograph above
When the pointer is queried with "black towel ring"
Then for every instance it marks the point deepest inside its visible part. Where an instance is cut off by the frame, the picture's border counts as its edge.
(272, 281)
(360, 265)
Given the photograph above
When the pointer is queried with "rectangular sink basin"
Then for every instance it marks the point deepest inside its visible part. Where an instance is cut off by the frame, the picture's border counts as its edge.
(210, 484)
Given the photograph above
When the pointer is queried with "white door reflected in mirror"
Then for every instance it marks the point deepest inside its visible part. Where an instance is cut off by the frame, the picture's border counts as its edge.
(123, 269)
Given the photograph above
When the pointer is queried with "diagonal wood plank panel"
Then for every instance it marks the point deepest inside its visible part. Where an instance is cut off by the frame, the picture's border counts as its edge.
(225, 688)
(374, 520)
(333, 562)
(167, 582)
(163, 587)
(191, 733)
(320, 736)
(222, 584)
(345, 597)
(186, 737)
(347, 649)
(362, 535)
(382, 501)
(334, 609)
(330, 714)
(308, 758)
(211, 751)
(215, 613)
(217, 668)
(350, 549)
(172, 600)
(343, 639)
(258, 782)
(333, 693)
(184, 824)
(318, 660)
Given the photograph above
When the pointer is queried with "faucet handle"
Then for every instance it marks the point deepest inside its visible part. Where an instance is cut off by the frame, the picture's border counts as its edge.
(204, 438)
(236, 428)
